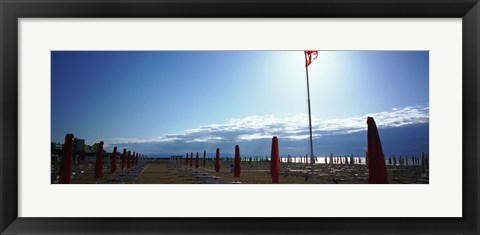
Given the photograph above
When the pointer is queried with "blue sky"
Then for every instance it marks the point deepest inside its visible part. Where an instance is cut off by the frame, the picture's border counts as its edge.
(179, 101)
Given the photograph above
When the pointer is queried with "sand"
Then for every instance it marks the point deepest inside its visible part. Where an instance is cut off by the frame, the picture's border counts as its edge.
(167, 172)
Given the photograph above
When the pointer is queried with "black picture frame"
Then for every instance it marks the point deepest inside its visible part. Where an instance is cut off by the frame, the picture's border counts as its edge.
(11, 11)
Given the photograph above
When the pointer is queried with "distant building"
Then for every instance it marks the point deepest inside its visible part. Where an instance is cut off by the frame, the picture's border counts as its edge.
(95, 147)
(88, 148)
(78, 145)
(56, 146)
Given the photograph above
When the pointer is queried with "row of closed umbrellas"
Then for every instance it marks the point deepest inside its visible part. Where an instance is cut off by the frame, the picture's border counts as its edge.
(375, 159)
(274, 162)
(129, 160)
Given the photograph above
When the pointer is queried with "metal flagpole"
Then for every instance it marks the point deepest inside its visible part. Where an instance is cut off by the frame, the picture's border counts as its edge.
(309, 117)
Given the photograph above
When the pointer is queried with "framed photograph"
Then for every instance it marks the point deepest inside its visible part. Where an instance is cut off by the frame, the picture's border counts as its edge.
(291, 117)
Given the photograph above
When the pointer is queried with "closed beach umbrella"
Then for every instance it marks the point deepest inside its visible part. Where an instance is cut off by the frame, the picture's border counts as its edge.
(113, 162)
(134, 155)
(275, 162)
(191, 160)
(136, 160)
(128, 159)
(99, 161)
(377, 170)
(132, 160)
(66, 164)
(186, 160)
(236, 166)
(217, 160)
(124, 156)
(196, 161)
(204, 157)
(132, 163)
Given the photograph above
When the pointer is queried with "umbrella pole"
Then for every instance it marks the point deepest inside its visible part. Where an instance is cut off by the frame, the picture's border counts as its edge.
(309, 118)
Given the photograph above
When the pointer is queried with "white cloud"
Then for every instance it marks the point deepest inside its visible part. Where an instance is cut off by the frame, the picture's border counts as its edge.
(254, 136)
(126, 140)
(210, 139)
(396, 118)
(294, 127)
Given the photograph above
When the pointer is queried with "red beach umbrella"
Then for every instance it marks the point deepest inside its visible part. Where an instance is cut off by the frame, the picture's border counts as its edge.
(134, 156)
(191, 160)
(132, 164)
(128, 159)
(113, 162)
(136, 160)
(217, 160)
(99, 161)
(66, 164)
(132, 160)
(376, 160)
(236, 167)
(196, 161)
(204, 157)
(275, 161)
(123, 158)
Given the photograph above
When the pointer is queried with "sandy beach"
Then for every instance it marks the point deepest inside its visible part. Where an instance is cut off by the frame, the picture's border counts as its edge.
(163, 171)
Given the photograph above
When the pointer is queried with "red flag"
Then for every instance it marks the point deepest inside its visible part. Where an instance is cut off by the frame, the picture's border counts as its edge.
(275, 161)
(113, 161)
(99, 161)
(236, 166)
(310, 56)
(377, 170)
(66, 161)
(217, 160)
